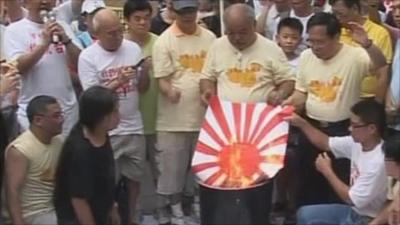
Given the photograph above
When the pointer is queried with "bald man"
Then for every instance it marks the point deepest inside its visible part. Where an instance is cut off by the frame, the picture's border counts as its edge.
(112, 63)
(264, 76)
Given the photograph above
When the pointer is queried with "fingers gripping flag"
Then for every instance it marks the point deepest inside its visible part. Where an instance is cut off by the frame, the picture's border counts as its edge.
(240, 145)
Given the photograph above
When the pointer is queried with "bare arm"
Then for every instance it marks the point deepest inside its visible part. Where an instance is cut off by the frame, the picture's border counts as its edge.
(383, 216)
(30, 59)
(383, 83)
(16, 166)
(297, 99)
(207, 89)
(341, 189)
(83, 211)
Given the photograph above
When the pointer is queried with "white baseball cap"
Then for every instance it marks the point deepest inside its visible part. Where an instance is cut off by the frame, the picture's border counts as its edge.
(89, 6)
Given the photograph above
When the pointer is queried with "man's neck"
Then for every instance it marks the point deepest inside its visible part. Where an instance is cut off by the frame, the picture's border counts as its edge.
(291, 55)
(140, 39)
(303, 12)
(97, 136)
(370, 144)
(41, 135)
(34, 17)
(189, 30)
(337, 49)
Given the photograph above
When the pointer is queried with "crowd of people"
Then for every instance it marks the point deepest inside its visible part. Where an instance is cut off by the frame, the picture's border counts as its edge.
(89, 98)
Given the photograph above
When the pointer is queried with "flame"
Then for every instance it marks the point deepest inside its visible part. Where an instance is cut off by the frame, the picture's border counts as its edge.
(239, 162)
(274, 159)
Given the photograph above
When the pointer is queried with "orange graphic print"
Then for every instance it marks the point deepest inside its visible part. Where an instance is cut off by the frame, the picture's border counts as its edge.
(326, 91)
(194, 62)
(246, 77)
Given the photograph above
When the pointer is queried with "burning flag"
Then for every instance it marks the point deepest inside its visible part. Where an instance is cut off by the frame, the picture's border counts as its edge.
(240, 145)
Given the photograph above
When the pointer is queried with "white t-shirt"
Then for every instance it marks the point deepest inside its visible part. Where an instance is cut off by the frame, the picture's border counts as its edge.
(368, 189)
(50, 75)
(2, 30)
(294, 64)
(98, 67)
(64, 12)
(271, 23)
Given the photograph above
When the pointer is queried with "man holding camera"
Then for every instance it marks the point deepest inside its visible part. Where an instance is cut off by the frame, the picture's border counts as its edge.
(42, 60)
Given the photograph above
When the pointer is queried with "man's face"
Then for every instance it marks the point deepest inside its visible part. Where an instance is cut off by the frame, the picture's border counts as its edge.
(110, 35)
(288, 39)
(359, 130)
(240, 33)
(140, 21)
(186, 17)
(396, 12)
(51, 120)
(321, 44)
(342, 13)
(37, 5)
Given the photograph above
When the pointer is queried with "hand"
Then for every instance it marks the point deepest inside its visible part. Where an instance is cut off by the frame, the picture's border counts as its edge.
(114, 216)
(295, 120)
(206, 96)
(125, 75)
(174, 95)
(9, 80)
(358, 34)
(51, 29)
(323, 163)
(394, 211)
(275, 97)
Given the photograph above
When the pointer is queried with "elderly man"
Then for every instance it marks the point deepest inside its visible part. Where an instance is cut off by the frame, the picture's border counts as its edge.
(112, 62)
(328, 96)
(178, 57)
(43, 64)
(243, 66)
(30, 164)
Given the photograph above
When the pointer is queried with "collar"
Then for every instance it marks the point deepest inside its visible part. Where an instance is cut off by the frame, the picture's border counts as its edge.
(178, 32)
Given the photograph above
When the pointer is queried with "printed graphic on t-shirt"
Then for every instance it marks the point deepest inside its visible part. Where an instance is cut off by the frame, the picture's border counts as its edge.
(325, 91)
(246, 77)
(53, 48)
(111, 74)
(355, 173)
(194, 62)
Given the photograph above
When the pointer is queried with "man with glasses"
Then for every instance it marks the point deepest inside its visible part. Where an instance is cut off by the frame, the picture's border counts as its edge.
(366, 194)
(178, 58)
(30, 164)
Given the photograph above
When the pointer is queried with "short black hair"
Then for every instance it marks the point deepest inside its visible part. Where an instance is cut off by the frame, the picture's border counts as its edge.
(38, 105)
(132, 6)
(94, 104)
(292, 23)
(349, 3)
(325, 19)
(391, 149)
(371, 112)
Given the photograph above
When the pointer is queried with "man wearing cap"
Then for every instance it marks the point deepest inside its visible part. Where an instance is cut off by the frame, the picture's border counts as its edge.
(178, 57)
(89, 9)
(42, 61)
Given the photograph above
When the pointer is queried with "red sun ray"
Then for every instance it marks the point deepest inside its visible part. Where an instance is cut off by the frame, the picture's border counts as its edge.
(275, 120)
(247, 121)
(216, 107)
(236, 108)
(277, 141)
(203, 166)
(261, 118)
(213, 134)
(210, 181)
(205, 149)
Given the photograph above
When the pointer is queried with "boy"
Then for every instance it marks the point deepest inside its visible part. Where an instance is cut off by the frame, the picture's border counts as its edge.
(289, 38)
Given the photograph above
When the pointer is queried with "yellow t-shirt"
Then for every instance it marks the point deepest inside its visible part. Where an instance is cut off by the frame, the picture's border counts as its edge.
(333, 85)
(181, 57)
(381, 38)
(248, 75)
(37, 192)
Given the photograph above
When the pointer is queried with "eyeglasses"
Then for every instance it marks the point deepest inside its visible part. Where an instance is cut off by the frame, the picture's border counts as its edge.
(354, 125)
(57, 116)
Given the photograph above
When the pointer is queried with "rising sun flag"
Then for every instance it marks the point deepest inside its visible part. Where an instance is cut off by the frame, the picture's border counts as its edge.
(240, 145)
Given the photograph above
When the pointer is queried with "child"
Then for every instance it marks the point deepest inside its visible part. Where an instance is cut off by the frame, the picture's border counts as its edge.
(289, 39)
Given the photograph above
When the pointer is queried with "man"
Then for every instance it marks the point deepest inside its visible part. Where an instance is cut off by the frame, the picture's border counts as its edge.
(328, 96)
(43, 64)
(30, 163)
(393, 96)
(302, 10)
(89, 9)
(178, 57)
(350, 11)
(138, 17)
(365, 195)
(244, 67)
(110, 62)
